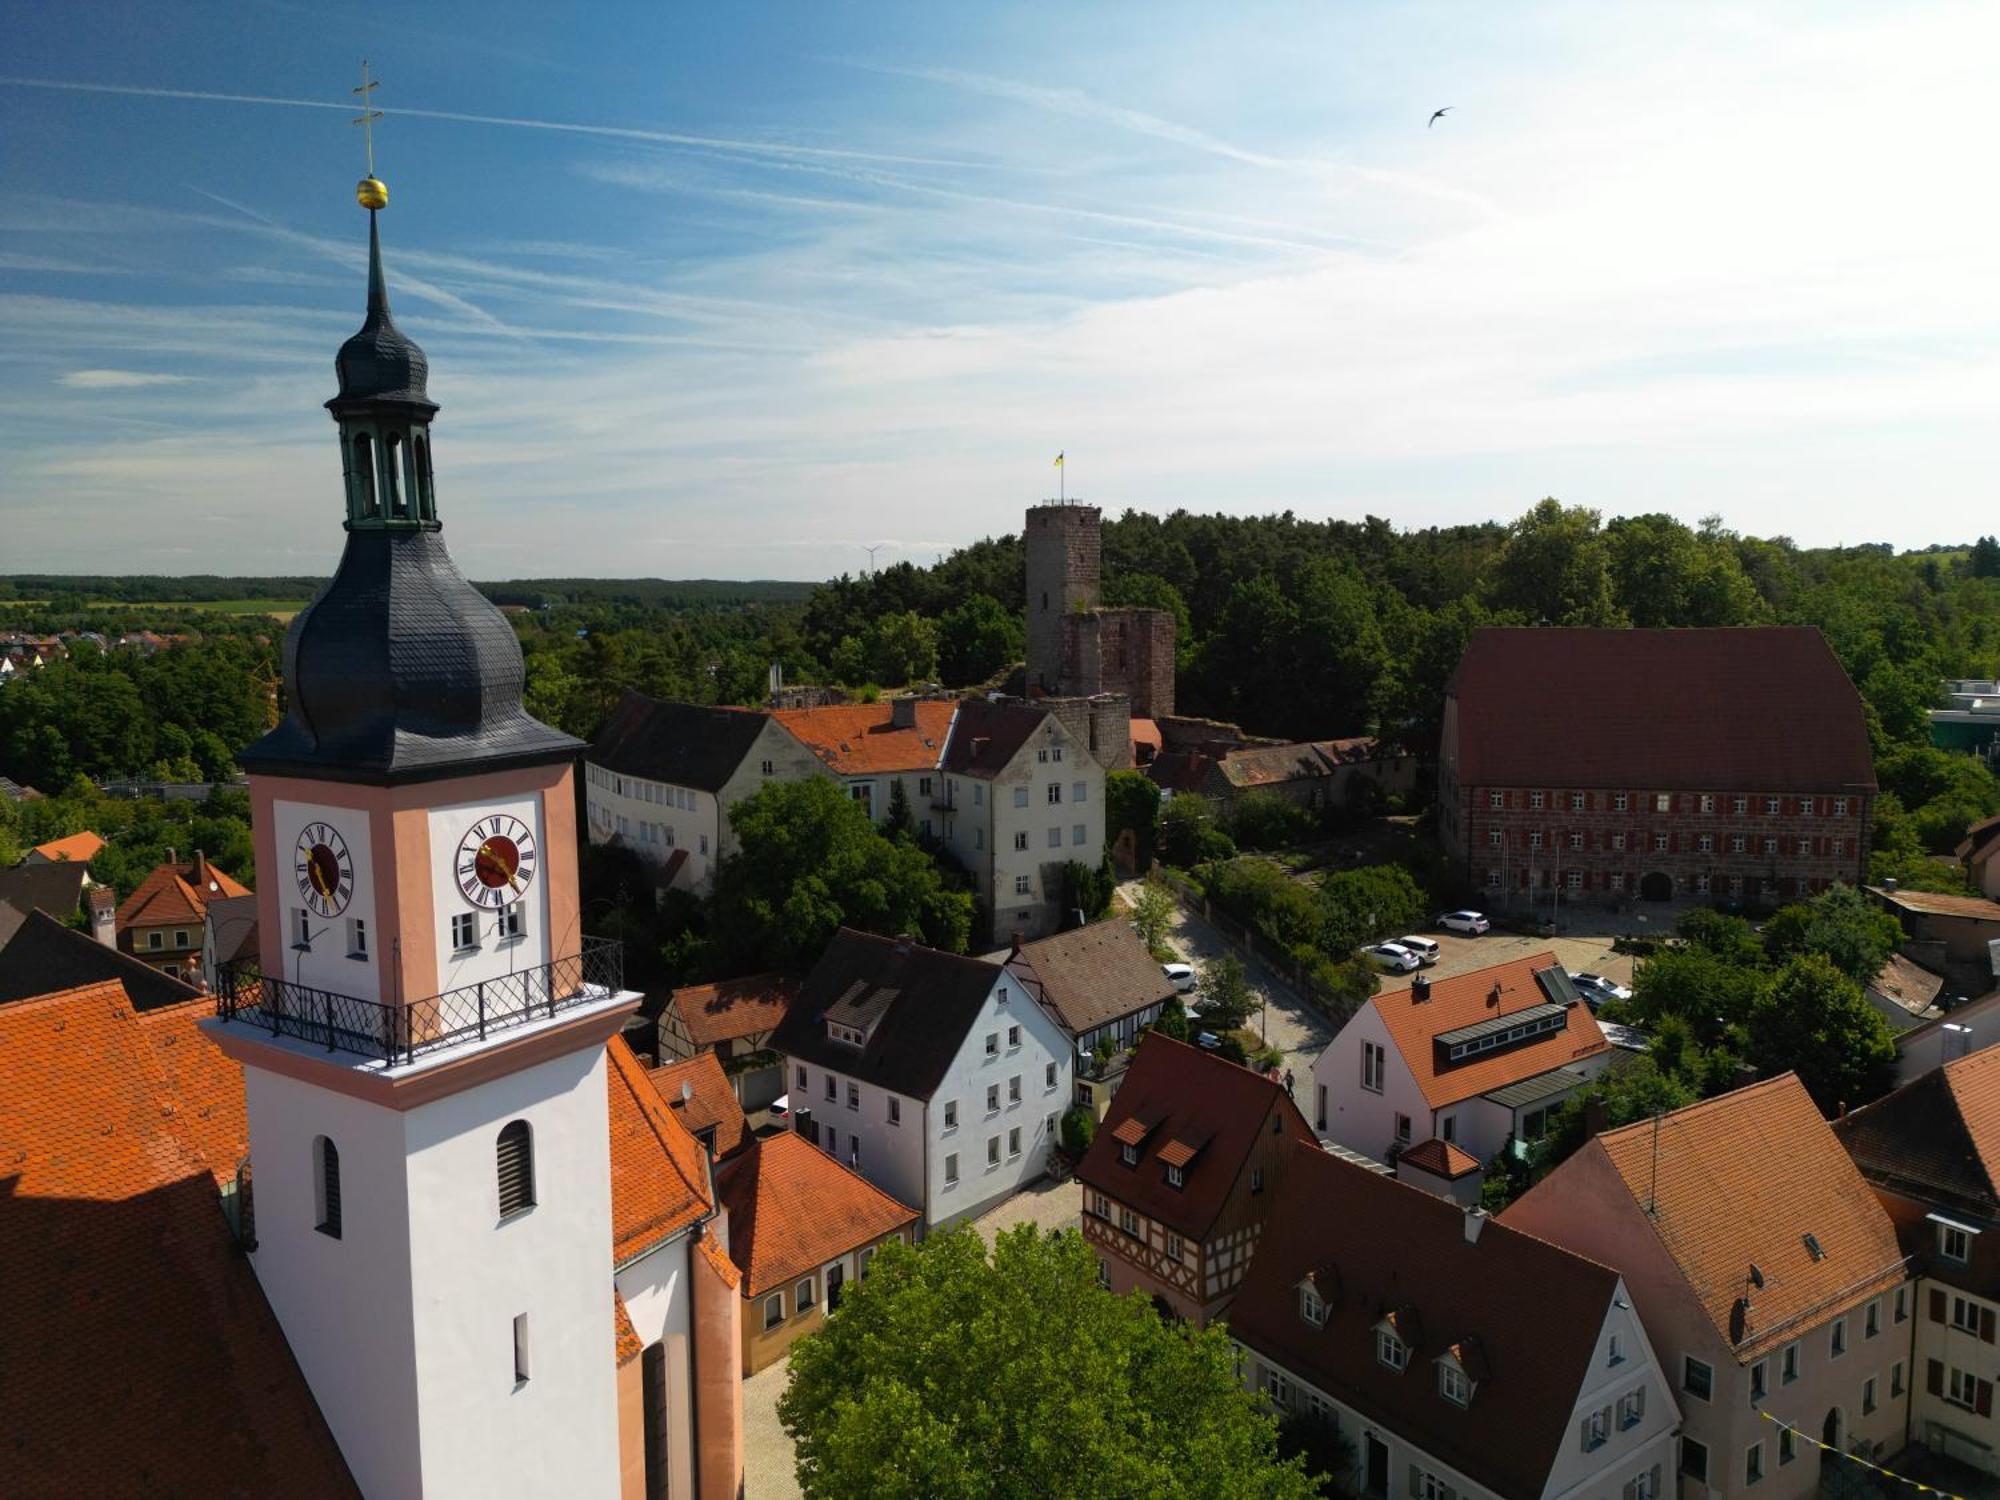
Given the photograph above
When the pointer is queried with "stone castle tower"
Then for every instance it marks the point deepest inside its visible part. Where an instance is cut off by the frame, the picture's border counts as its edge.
(1076, 647)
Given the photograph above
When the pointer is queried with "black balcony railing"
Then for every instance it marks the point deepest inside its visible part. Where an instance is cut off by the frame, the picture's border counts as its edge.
(402, 1033)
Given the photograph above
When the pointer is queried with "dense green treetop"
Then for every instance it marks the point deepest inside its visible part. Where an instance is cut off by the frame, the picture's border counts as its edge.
(953, 1373)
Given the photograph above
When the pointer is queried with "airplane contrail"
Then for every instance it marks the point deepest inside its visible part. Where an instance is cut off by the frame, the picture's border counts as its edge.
(616, 132)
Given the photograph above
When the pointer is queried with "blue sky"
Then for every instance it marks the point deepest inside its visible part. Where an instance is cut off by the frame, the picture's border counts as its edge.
(736, 290)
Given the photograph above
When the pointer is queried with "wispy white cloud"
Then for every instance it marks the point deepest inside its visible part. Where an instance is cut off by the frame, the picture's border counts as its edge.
(118, 380)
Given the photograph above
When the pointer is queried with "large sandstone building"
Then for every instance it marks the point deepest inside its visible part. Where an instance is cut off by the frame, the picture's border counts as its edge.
(1606, 764)
(1076, 647)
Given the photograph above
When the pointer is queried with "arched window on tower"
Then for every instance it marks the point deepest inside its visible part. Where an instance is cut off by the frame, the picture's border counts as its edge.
(516, 1160)
(392, 473)
(326, 1179)
(420, 465)
(364, 476)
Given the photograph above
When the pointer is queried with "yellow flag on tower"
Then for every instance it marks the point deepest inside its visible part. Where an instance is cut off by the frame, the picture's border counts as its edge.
(1059, 460)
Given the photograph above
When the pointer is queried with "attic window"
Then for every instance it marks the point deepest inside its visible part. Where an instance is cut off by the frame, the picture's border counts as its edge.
(1176, 1177)
(848, 1034)
(1453, 1384)
(1312, 1307)
(1390, 1349)
(1129, 1155)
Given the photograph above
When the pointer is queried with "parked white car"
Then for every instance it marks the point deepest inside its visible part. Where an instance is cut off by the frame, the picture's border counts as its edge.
(1426, 950)
(1465, 921)
(1181, 976)
(1393, 956)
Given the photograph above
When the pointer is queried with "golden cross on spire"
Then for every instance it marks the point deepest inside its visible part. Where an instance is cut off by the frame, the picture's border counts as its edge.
(371, 193)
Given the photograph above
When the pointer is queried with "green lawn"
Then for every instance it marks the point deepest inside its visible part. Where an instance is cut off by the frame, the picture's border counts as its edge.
(281, 609)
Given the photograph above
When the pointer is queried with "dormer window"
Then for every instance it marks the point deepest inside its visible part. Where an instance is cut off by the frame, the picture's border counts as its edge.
(1311, 1307)
(1954, 1240)
(848, 1034)
(1453, 1384)
(1176, 1178)
(1129, 1155)
(1391, 1350)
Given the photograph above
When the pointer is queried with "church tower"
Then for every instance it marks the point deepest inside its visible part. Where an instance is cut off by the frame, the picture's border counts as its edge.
(424, 1050)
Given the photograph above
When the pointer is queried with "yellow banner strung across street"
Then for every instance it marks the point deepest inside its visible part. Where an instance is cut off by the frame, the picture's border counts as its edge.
(1918, 1486)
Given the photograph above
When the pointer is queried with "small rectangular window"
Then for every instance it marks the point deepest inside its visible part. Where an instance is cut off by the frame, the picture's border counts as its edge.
(1014, 1142)
(1014, 1089)
(951, 1114)
(774, 1310)
(513, 921)
(854, 1096)
(993, 1151)
(1048, 1077)
(1020, 796)
(1753, 1463)
(302, 936)
(895, 1110)
(464, 930)
(1013, 1033)
(1021, 844)
(951, 1170)
(1698, 1378)
(1078, 834)
(805, 1297)
(802, 1078)
(993, 1098)
(520, 1347)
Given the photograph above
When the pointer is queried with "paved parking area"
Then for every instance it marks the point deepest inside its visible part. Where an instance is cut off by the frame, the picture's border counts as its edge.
(1046, 1204)
(1298, 1031)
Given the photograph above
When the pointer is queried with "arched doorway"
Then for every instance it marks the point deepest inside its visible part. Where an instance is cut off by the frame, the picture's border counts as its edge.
(1656, 885)
(1831, 1431)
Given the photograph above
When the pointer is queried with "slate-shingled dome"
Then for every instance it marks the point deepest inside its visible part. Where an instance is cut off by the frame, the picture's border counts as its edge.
(380, 362)
(399, 670)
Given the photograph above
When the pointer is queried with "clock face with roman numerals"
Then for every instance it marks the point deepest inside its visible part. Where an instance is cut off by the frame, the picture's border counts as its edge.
(324, 869)
(495, 863)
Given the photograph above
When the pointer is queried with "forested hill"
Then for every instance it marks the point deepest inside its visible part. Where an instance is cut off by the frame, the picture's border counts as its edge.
(1309, 628)
(208, 588)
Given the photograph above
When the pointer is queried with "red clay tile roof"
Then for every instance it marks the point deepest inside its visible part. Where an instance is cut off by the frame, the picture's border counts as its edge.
(1669, 709)
(1937, 1138)
(659, 1174)
(1146, 734)
(153, 1365)
(1464, 1000)
(1527, 1312)
(858, 739)
(169, 895)
(1177, 1093)
(710, 1250)
(792, 1208)
(1745, 1177)
(626, 1345)
(207, 1086)
(1440, 1158)
(1091, 976)
(81, 847)
(734, 1008)
(711, 1100)
(1249, 766)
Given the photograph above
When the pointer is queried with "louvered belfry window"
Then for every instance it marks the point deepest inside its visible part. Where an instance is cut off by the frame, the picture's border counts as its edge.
(517, 1168)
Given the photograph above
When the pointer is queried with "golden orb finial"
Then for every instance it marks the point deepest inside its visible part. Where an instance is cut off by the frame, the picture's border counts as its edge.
(372, 193)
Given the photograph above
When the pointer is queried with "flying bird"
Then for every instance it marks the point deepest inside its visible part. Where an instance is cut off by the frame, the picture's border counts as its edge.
(1437, 115)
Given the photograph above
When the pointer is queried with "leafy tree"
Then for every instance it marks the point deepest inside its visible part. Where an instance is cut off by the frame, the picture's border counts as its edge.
(1623, 1095)
(1079, 1129)
(1555, 566)
(1814, 1020)
(809, 861)
(952, 1373)
(1711, 993)
(1840, 924)
(1327, 1452)
(1984, 561)
(1258, 893)
(1189, 832)
(977, 639)
(1172, 1020)
(902, 647)
(1366, 903)
(1088, 889)
(1266, 820)
(1153, 911)
(900, 823)
(1132, 803)
(1226, 997)
(1727, 937)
